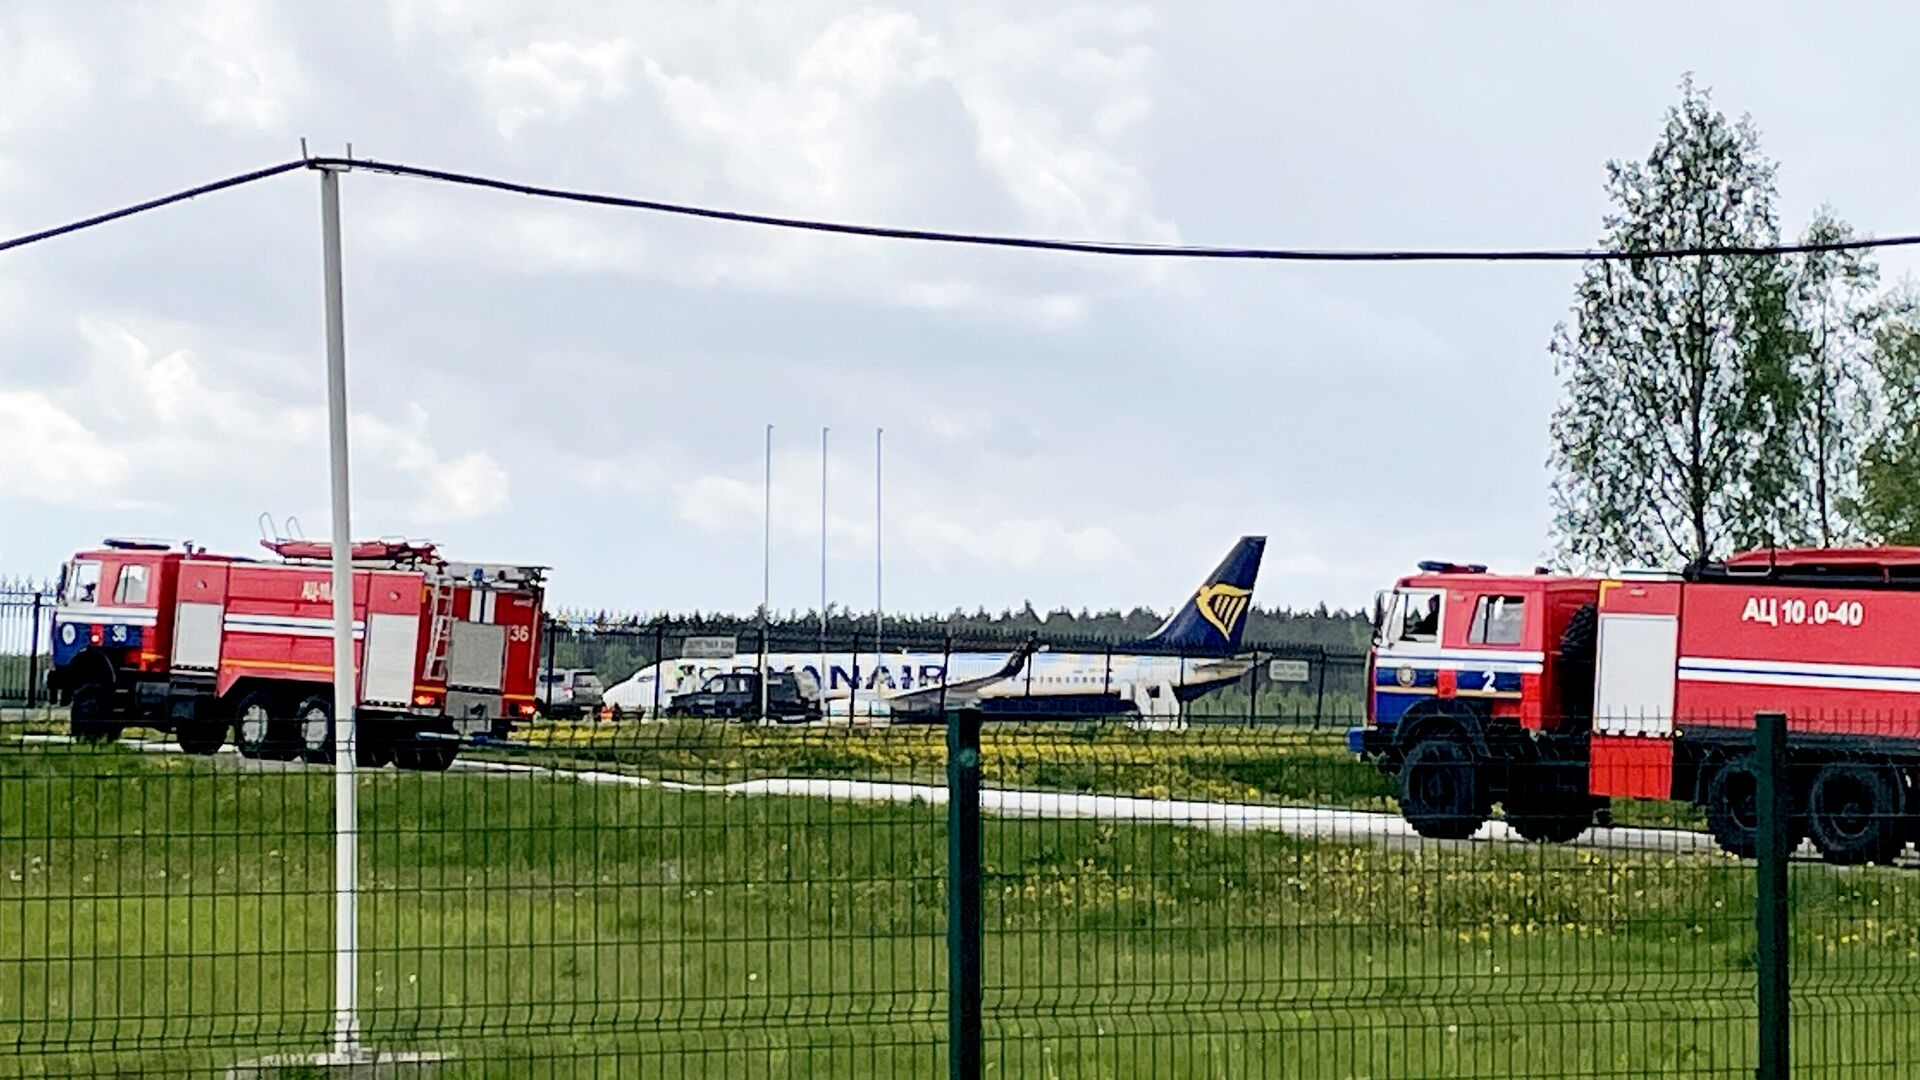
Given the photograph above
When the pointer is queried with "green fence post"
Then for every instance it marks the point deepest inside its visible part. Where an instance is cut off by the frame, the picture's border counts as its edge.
(1770, 893)
(964, 1054)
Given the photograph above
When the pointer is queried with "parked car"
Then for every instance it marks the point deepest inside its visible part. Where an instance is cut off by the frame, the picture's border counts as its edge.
(736, 696)
(569, 694)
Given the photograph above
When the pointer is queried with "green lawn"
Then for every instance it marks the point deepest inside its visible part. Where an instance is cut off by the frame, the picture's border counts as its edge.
(1266, 762)
(166, 914)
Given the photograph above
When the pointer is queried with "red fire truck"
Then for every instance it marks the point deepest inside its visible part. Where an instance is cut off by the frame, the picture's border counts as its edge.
(1551, 694)
(203, 645)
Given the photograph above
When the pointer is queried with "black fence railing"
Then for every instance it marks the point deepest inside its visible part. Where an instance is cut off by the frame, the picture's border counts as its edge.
(1039, 897)
(641, 668)
(26, 627)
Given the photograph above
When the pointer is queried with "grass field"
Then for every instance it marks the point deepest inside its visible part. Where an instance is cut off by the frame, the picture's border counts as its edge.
(168, 914)
(1300, 764)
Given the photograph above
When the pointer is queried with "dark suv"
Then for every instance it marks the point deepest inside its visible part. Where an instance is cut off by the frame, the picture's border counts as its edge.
(736, 696)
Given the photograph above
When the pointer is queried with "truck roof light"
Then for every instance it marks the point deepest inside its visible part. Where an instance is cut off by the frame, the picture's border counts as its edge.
(1440, 566)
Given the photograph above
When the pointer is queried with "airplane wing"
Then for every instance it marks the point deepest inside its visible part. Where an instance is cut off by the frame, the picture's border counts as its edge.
(963, 694)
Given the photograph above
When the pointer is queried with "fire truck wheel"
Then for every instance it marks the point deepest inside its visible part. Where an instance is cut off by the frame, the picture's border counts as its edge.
(1733, 810)
(371, 752)
(90, 717)
(1853, 812)
(313, 729)
(259, 729)
(426, 755)
(1549, 804)
(202, 737)
(1442, 792)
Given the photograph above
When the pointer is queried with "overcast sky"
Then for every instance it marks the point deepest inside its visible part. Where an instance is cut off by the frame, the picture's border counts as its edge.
(589, 388)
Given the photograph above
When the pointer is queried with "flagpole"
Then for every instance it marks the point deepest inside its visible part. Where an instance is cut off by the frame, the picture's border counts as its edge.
(766, 563)
(826, 680)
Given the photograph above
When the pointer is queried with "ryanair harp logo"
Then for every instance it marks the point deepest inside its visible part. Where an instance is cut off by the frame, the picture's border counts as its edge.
(1223, 606)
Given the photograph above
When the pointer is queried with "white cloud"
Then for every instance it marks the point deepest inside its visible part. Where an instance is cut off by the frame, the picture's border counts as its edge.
(42, 82)
(52, 457)
(865, 115)
(148, 393)
(625, 474)
(446, 488)
(718, 502)
(228, 61)
(1016, 543)
(551, 80)
(929, 520)
(173, 416)
(1070, 168)
(557, 241)
(43, 85)
(472, 485)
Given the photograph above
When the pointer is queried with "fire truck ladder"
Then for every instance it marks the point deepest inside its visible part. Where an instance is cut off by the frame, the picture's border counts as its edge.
(440, 633)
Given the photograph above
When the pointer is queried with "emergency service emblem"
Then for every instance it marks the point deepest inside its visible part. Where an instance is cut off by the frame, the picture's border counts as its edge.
(1404, 676)
(1223, 606)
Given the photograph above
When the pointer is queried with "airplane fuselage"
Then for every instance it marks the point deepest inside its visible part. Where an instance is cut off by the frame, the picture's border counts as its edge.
(1151, 684)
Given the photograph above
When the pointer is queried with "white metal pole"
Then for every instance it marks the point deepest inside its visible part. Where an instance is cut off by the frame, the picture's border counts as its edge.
(877, 606)
(766, 564)
(346, 973)
(826, 681)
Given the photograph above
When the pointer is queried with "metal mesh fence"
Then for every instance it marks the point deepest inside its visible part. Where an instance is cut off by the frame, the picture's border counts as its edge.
(701, 897)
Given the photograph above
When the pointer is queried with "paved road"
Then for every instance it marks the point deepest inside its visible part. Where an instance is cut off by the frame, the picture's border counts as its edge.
(1330, 823)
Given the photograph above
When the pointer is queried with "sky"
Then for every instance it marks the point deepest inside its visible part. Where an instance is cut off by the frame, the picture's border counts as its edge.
(589, 389)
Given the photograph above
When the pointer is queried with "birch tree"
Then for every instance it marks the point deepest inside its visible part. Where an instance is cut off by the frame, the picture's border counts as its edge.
(1674, 438)
(1838, 309)
(1887, 505)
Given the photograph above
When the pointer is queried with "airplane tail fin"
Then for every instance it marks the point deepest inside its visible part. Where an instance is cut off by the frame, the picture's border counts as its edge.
(1211, 622)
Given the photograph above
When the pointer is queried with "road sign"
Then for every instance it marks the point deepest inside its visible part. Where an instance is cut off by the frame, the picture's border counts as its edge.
(1288, 670)
(710, 648)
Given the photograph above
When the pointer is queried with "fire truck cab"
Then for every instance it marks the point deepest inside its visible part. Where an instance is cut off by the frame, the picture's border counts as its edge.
(1475, 697)
(202, 645)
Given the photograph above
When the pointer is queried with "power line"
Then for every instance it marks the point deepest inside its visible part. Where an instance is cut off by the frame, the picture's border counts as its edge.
(150, 204)
(1108, 247)
(935, 236)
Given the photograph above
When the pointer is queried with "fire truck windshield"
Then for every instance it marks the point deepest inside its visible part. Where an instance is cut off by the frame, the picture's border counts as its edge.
(81, 582)
(1412, 616)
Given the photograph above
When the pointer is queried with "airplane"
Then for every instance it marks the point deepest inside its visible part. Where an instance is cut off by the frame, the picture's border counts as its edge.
(1190, 654)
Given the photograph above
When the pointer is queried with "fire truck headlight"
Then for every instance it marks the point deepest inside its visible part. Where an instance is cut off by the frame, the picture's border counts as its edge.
(425, 700)
(526, 710)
